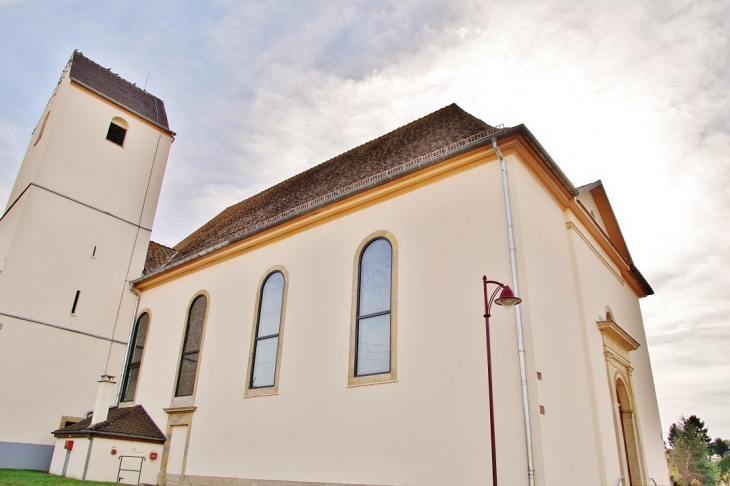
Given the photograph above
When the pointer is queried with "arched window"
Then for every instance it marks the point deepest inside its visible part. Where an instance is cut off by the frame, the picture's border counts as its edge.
(117, 131)
(268, 326)
(372, 347)
(136, 349)
(191, 347)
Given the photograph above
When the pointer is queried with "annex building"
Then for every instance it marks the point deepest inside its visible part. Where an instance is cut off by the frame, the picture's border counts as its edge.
(329, 330)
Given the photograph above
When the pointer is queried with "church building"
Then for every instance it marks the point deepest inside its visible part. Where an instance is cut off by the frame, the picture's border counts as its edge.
(331, 329)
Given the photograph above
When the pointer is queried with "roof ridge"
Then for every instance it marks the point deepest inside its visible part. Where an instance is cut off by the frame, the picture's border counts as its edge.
(131, 84)
(402, 128)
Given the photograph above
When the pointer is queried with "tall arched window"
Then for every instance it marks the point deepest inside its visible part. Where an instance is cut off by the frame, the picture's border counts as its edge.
(131, 374)
(373, 343)
(191, 347)
(268, 327)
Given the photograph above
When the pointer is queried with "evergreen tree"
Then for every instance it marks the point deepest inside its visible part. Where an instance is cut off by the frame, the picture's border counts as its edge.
(689, 456)
(719, 447)
(697, 424)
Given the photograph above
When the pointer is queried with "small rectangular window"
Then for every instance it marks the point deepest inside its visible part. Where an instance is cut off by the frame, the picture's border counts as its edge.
(116, 134)
(76, 301)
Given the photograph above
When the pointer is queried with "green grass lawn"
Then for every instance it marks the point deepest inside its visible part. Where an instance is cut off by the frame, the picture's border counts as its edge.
(22, 477)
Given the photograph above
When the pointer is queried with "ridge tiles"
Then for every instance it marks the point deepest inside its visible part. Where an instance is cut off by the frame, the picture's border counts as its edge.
(439, 129)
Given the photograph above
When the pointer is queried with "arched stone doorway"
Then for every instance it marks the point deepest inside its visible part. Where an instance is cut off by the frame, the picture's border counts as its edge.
(617, 344)
(629, 436)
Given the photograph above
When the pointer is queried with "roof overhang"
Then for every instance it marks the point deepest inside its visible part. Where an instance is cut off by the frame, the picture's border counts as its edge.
(117, 435)
(613, 231)
(543, 165)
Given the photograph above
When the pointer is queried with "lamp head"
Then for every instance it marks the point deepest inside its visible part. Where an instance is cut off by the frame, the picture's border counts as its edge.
(507, 298)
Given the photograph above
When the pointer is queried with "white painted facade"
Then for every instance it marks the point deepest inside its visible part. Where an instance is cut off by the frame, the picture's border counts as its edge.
(431, 425)
(78, 220)
(110, 460)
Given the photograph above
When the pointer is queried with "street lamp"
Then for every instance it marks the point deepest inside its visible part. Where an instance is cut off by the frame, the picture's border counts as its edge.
(507, 299)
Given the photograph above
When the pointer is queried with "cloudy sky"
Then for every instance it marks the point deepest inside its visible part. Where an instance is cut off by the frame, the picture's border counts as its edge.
(634, 93)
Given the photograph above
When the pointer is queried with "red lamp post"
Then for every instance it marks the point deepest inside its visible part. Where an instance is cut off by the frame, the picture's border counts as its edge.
(507, 299)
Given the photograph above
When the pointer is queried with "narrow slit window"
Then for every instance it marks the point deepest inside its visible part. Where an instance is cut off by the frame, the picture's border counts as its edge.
(131, 375)
(191, 348)
(372, 351)
(76, 302)
(266, 348)
(93, 253)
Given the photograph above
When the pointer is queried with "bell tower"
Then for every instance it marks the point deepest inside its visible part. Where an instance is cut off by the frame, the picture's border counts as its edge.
(74, 232)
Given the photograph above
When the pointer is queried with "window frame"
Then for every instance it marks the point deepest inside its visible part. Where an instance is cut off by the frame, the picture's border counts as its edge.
(274, 389)
(392, 375)
(120, 123)
(178, 399)
(130, 354)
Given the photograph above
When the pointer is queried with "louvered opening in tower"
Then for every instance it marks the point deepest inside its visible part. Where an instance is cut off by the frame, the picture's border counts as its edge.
(116, 134)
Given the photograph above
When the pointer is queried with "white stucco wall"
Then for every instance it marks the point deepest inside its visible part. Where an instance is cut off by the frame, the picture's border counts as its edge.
(552, 337)
(76, 458)
(46, 242)
(586, 199)
(431, 426)
(601, 288)
(103, 465)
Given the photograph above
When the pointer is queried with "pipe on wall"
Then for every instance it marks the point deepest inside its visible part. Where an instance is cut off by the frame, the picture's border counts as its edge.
(88, 455)
(518, 319)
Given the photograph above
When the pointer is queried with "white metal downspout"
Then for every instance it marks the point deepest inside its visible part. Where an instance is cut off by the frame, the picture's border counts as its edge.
(518, 318)
(88, 455)
(129, 346)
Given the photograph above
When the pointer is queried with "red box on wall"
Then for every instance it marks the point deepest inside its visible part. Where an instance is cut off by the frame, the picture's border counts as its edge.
(153, 456)
(69, 445)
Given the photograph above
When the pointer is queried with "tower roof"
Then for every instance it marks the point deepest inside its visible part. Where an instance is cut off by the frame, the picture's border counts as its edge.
(114, 88)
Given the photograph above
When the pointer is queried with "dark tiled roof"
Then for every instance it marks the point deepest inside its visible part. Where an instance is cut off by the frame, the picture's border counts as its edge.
(425, 135)
(157, 255)
(121, 422)
(111, 86)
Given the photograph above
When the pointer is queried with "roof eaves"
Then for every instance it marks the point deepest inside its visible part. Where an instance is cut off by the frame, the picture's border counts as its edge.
(537, 147)
(462, 146)
(589, 187)
(97, 92)
(109, 434)
(644, 283)
(470, 143)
